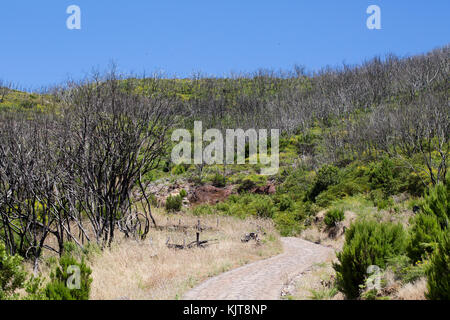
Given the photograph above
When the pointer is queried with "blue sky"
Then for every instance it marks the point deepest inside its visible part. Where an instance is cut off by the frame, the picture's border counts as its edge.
(211, 36)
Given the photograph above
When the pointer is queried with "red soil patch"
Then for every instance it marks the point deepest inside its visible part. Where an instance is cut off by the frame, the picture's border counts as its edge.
(209, 194)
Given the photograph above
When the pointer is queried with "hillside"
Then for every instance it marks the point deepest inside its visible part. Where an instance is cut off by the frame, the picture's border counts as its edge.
(363, 169)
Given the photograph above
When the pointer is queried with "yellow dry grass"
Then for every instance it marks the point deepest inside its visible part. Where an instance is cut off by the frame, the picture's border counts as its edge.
(316, 283)
(149, 270)
(412, 291)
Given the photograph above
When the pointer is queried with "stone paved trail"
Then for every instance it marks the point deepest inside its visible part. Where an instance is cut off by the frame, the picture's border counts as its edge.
(262, 280)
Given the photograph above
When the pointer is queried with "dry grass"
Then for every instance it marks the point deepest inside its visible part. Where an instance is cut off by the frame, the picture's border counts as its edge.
(412, 291)
(316, 283)
(149, 270)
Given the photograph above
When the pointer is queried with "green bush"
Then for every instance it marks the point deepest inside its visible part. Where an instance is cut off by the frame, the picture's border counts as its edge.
(405, 270)
(203, 209)
(438, 273)
(437, 203)
(244, 205)
(382, 176)
(262, 206)
(179, 169)
(12, 275)
(424, 234)
(346, 188)
(326, 198)
(327, 176)
(196, 180)
(173, 203)
(62, 276)
(183, 193)
(287, 223)
(224, 207)
(27, 104)
(334, 216)
(431, 223)
(414, 185)
(13, 278)
(285, 203)
(219, 181)
(296, 183)
(246, 185)
(380, 200)
(310, 209)
(367, 243)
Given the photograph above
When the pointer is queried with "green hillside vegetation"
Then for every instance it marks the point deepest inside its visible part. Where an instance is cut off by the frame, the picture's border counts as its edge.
(373, 138)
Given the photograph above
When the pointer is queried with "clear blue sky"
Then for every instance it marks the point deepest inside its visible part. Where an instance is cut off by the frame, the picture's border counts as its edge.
(212, 36)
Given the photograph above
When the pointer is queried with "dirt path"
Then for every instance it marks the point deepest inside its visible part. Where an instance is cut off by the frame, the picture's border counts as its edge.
(262, 280)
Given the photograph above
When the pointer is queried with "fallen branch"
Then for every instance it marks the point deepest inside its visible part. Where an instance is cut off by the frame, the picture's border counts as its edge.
(193, 244)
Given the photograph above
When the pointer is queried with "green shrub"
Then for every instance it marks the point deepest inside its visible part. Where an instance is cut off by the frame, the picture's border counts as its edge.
(287, 223)
(203, 209)
(173, 203)
(166, 166)
(326, 198)
(367, 243)
(183, 193)
(296, 184)
(14, 278)
(219, 181)
(431, 223)
(405, 270)
(27, 104)
(382, 176)
(262, 206)
(310, 209)
(178, 169)
(223, 207)
(334, 216)
(285, 203)
(65, 275)
(323, 293)
(380, 200)
(438, 273)
(247, 204)
(246, 185)
(347, 188)
(350, 187)
(424, 235)
(327, 176)
(414, 185)
(34, 289)
(196, 180)
(437, 202)
(12, 274)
